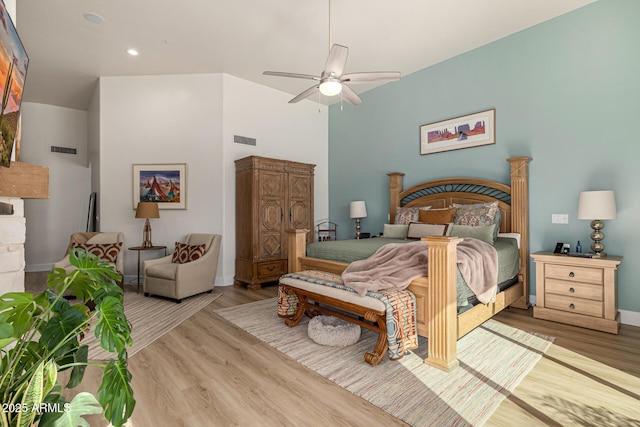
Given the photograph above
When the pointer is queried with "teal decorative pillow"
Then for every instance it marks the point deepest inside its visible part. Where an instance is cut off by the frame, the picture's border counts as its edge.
(480, 232)
(479, 214)
(395, 231)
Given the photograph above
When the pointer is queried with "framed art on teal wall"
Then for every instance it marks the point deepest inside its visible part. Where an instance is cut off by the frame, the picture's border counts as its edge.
(472, 130)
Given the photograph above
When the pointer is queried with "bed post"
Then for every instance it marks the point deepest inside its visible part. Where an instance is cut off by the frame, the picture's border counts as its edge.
(395, 187)
(297, 246)
(442, 321)
(520, 220)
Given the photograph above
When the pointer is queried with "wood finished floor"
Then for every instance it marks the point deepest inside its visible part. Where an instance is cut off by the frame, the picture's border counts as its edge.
(207, 372)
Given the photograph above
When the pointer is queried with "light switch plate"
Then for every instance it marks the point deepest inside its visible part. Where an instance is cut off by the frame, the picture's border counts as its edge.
(560, 218)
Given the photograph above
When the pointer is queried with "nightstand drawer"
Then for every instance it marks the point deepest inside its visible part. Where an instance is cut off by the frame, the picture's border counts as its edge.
(574, 273)
(574, 290)
(574, 305)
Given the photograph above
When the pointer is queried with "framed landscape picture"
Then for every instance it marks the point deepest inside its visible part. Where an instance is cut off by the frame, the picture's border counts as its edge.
(472, 130)
(13, 72)
(165, 184)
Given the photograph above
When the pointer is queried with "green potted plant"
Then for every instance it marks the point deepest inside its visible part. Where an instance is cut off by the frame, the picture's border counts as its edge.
(41, 335)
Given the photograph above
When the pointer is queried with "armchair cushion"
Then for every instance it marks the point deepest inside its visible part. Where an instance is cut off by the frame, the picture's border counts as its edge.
(185, 253)
(106, 251)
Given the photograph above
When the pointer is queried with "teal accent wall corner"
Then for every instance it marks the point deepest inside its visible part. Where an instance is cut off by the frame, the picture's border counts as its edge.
(566, 94)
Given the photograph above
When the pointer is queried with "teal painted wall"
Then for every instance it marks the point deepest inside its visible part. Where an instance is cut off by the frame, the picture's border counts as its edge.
(566, 93)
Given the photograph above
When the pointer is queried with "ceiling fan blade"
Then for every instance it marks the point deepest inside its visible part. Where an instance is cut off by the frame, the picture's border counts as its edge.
(350, 96)
(336, 60)
(376, 76)
(296, 75)
(303, 95)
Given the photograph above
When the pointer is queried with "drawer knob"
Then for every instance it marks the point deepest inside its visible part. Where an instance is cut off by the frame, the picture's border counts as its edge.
(571, 274)
(273, 267)
(572, 306)
(572, 290)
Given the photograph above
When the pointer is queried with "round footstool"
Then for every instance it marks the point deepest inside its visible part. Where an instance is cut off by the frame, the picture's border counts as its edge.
(332, 331)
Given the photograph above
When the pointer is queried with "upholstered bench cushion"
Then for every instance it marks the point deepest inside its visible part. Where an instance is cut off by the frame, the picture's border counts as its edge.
(163, 271)
(340, 294)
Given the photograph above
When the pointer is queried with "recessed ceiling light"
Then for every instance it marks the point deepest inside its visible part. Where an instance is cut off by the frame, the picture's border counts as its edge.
(132, 52)
(94, 18)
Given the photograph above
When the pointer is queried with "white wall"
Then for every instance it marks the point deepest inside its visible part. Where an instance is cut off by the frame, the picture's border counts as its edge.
(297, 132)
(160, 119)
(167, 119)
(51, 221)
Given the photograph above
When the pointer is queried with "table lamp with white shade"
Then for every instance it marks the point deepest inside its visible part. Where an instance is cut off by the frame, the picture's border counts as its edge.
(357, 210)
(597, 206)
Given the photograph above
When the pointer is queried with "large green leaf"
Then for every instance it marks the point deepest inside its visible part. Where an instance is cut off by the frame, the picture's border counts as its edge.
(6, 334)
(112, 329)
(56, 330)
(72, 416)
(17, 308)
(80, 358)
(115, 393)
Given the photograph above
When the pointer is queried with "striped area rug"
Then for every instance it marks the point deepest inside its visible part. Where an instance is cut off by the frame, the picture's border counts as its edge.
(494, 358)
(151, 317)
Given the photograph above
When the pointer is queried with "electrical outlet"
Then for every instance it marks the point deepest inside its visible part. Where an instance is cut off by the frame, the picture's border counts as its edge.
(559, 218)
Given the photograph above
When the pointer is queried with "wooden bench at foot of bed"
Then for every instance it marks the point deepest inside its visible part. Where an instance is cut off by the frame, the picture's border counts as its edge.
(373, 312)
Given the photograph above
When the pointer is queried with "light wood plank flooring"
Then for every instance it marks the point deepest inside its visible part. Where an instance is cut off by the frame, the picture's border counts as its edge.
(207, 372)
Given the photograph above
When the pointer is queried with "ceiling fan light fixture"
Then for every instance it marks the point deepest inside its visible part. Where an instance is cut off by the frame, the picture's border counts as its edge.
(330, 87)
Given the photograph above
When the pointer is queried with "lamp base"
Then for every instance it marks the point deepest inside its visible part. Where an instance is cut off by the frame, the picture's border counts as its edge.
(357, 228)
(597, 235)
(146, 235)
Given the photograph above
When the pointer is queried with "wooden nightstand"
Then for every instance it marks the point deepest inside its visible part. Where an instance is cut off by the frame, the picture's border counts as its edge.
(577, 291)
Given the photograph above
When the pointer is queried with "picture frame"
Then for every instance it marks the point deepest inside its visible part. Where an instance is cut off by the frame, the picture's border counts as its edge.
(472, 130)
(165, 184)
(14, 63)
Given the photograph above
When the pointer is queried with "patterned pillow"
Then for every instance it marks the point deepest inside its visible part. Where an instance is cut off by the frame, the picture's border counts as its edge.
(105, 251)
(479, 214)
(437, 216)
(408, 215)
(186, 253)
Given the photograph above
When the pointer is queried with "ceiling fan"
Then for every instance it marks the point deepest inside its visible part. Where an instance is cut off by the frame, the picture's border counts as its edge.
(332, 82)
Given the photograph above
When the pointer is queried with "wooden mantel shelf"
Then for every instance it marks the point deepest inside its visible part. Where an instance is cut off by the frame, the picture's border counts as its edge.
(25, 181)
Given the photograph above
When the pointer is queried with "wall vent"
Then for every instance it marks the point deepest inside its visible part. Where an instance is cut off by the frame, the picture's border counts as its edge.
(244, 140)
(64, 150)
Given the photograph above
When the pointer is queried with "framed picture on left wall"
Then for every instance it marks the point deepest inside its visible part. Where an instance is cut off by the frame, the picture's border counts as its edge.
(162, 183)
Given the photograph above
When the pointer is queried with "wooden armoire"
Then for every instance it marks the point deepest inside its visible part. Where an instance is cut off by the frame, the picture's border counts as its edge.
(271, 196)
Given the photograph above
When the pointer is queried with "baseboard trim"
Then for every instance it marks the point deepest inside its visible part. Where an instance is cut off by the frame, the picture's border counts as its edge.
(34, 268)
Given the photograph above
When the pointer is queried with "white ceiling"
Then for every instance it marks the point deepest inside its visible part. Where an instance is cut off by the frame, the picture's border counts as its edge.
(246, 37)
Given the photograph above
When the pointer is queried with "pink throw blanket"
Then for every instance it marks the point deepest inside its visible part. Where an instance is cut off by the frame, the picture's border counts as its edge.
(395, 265)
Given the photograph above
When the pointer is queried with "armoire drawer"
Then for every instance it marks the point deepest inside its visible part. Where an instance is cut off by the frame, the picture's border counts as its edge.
(271, 268)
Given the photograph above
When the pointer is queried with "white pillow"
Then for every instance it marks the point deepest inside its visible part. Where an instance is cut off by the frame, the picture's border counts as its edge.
(418, 230)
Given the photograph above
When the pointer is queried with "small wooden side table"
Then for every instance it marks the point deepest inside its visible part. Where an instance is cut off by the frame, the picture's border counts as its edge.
(142, 248)
(577, 291)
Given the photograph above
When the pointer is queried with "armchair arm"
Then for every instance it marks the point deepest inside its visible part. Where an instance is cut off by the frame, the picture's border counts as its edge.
(149, 262)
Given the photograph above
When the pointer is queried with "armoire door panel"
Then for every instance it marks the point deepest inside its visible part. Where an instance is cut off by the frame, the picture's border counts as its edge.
(300, 215)
(271, 216)
(272, 184)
